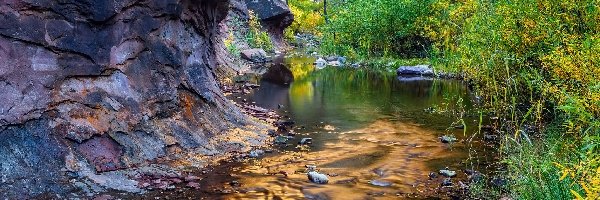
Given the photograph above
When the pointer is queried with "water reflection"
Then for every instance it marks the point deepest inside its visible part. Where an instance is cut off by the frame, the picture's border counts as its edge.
(365, 127)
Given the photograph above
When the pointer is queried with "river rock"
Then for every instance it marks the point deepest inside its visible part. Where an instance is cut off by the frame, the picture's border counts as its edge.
(320, 63)
(256, 153)
(334, 63)
(490, 137)
(281, 139)
(311, 168)
(418, 70)
(380, 183)
(432, 175)
(193, 185)
(318, 178)
(305, 141)
(499, 182)
(341, 60)
(447, 182)
(447, 173)
(447, 139)
(254, 55)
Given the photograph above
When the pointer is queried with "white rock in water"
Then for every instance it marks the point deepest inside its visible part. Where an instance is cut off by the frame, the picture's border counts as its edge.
(380, 183)
(447, 173)
(321, 63)
(318, 178)
(256, 153)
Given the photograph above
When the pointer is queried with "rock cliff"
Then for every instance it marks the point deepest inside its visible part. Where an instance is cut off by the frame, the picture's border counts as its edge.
(88, 87)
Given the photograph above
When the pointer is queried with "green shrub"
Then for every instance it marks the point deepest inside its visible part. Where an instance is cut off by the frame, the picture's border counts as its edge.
(256, 37)
(372, 28)
(307, 17)
(532, 62)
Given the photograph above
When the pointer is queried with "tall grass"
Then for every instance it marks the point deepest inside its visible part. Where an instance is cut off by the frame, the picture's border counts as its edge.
(533, 63)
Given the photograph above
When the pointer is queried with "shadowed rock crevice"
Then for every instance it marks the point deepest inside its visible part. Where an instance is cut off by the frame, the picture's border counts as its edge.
(89, 87)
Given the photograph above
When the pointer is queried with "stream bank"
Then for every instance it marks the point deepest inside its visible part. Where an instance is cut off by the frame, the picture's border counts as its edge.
(373, 135)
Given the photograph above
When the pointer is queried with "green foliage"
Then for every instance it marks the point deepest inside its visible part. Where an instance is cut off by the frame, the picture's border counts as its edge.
(231, 46)
(532, 62)
(530, 59)
(307, 17)
(361, 28)
(532, 170)
(256, 37)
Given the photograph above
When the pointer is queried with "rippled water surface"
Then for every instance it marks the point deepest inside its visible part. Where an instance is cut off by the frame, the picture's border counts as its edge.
(374, 135)
(371, 134)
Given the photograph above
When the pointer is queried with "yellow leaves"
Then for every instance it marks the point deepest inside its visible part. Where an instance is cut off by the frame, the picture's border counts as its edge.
(577, 196)
(305, 20)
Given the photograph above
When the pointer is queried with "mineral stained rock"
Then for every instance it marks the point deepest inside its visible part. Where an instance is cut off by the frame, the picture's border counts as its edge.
(96, 86)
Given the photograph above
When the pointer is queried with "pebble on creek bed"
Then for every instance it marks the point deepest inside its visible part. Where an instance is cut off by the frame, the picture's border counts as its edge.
(318, 178)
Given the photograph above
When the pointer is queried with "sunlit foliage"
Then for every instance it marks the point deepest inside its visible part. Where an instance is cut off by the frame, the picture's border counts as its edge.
(532, 62)
(308, 17)
(361, 28)
(256, 37)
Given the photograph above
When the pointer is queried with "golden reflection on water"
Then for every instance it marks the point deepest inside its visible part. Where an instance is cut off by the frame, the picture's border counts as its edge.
(390, 151)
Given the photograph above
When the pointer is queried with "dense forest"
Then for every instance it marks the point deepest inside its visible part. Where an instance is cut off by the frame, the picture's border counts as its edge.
(534, 63)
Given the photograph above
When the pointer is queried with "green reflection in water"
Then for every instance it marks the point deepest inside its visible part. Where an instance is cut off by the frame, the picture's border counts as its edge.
(356, 97)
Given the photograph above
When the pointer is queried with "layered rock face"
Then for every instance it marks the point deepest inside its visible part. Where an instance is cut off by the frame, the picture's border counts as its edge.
(107, 85)
(275, 15)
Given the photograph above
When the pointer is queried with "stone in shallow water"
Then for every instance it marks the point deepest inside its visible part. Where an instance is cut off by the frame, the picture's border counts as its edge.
(281, 140)
(447, 182)
(318, 178)
(380, 183)
(432, 175)
(447, 173)
(256, 153)
(447, 139)
(305, 141)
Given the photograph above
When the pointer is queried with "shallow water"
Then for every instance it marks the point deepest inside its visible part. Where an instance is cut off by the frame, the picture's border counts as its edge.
(372, 134)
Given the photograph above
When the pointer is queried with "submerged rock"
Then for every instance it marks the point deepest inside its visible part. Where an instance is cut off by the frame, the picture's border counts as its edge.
(432, 175)
(311, 168)
(318, 178)
(380, 183)
(447, 182)
(305, 141)
(281, 139)
(256, 153)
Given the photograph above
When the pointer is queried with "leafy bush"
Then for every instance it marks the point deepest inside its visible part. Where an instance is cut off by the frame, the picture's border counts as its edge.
(256, 37)
(372, 28)
(529, 59)
(230, 45)
(307, 17)
(532, 61)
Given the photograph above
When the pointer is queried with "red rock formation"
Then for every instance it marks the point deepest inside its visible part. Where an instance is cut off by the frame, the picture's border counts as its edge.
(113, 84)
